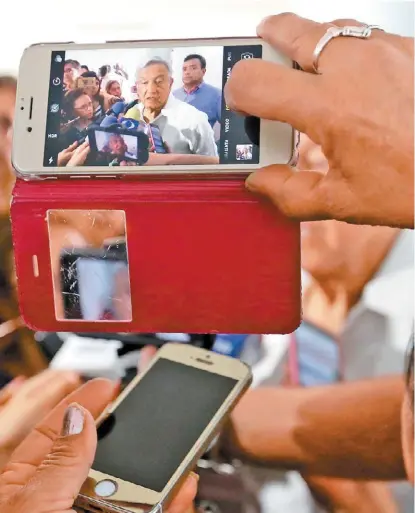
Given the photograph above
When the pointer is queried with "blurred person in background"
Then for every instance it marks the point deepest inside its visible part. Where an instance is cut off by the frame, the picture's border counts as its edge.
(90, 84)
(197, 92)
(358, 289)
(113, 88)
(107, 73)
(79, 111)
(7, 103)
(84, 68)
(71, 71)
(19, 352)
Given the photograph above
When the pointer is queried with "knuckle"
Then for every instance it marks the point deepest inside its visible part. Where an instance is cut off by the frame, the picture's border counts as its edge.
(346, 21)
(63, 455)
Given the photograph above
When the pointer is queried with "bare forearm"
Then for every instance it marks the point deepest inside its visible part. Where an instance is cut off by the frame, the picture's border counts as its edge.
(349, 430)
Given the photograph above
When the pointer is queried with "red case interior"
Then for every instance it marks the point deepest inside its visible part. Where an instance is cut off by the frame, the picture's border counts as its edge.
(205, 256)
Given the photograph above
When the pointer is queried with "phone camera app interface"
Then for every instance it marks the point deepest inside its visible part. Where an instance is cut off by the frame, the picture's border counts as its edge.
(146, 106)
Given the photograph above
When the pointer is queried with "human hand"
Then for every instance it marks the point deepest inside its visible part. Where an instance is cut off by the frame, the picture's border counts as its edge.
(48, 469)
(24, 403)
(79, 155)
(111, 99)
(8, 391)
(65, 155)
(359, 110)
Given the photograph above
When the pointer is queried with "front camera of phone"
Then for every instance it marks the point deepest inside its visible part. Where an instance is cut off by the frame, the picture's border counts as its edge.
(29, 129)
(22, 108)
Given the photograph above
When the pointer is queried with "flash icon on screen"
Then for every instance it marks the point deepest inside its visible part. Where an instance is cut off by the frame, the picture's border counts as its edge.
(50, 160)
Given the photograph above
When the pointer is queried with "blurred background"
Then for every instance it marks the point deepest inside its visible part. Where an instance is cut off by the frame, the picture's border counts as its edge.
(379, 260)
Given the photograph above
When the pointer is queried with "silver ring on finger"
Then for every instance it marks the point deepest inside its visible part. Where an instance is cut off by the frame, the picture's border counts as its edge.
(360, 32)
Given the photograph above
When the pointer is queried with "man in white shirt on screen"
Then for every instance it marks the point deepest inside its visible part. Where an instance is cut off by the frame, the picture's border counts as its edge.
(184, 129)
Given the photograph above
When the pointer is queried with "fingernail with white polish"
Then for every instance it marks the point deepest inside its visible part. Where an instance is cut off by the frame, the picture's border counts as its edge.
(73, 422)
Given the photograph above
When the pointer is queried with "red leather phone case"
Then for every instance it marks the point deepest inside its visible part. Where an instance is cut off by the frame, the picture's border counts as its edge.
(205, 256)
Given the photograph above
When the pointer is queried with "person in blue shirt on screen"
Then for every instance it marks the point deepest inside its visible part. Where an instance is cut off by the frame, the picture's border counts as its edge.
(197, 92)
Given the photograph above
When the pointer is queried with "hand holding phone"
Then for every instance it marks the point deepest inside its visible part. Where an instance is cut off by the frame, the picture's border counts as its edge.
(159, 427)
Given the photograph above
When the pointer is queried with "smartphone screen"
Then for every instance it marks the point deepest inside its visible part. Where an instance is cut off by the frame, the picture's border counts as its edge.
(95, 287)
(178, 96)
(158, 423)
(318, 356)
(114, 148)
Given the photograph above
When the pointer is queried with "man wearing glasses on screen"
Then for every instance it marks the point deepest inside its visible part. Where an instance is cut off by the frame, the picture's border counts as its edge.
(184, 129)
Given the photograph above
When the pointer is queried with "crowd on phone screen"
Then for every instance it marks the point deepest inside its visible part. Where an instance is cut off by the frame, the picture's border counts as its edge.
(177, 120)
(372, 265)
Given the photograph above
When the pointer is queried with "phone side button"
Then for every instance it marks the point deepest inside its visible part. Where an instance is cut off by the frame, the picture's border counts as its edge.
(106, 488)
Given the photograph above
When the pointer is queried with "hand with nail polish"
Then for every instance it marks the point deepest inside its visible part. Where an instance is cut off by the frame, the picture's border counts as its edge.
(47, 470)
(359, 109)
(25, 402)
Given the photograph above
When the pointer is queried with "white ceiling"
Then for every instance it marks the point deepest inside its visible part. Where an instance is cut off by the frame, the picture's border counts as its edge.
(81, 21)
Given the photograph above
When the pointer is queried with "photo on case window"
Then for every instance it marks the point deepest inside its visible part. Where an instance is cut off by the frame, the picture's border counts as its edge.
(89, 261)
(146, 106)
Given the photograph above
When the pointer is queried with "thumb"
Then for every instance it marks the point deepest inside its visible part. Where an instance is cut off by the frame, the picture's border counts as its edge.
(58, 480)
(146, 355)
(301, 195)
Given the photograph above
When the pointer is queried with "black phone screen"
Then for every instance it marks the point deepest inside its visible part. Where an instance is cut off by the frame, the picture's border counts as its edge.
(158, 423)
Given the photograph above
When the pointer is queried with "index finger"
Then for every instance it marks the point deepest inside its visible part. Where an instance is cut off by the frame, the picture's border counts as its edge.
(297, 37)
(275, 92)
(294, 36)
(72, 146)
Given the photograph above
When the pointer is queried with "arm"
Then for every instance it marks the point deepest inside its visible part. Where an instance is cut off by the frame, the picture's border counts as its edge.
(204, 137)
(345, 430)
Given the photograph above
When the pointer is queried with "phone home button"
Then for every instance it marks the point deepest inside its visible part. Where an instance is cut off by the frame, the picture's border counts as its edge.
(106, 488)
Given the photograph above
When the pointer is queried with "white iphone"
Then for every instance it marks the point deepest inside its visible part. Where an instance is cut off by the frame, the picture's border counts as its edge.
(159, 427)
(147, 107)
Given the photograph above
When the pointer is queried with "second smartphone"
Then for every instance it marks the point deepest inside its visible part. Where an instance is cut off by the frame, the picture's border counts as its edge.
(147, 107)
(159, 427)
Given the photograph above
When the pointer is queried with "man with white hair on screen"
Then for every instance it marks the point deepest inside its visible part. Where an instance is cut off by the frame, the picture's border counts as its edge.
(184, 129)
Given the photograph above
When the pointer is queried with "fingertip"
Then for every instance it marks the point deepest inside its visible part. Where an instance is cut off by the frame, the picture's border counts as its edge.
(267, 25)
(186, 496)
(251, 183)
(17, 382)
(194, 476)
(267, 179)
(72, 377)
(262, 27)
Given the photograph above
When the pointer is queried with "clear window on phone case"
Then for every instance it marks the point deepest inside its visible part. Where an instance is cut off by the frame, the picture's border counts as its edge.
(89, 261)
